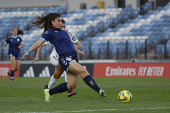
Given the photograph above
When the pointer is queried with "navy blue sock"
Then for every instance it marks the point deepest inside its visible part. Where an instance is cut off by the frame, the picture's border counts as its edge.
(12, 73)
(91, 83)
(59, 89)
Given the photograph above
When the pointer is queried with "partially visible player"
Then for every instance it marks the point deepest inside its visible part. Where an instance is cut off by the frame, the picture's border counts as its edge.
(54, 60)
(68, 61)
(15, 44)
(133, 59)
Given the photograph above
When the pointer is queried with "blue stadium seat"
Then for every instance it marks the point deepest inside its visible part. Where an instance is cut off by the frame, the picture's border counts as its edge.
(113, 51)
(93, 7)
(111, 6)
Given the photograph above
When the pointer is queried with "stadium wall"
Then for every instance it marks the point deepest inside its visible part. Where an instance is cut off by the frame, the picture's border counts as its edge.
(72, 4)
(28, 3)
(75, 4)
(96, 68)
(133, 2)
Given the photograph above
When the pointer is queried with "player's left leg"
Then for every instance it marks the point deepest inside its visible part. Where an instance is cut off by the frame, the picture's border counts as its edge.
(75, 67)
(72, 82)
(17, 65)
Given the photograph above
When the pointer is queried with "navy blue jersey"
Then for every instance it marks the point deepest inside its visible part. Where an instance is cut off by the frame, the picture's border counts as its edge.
(13, 42)
(61, 41)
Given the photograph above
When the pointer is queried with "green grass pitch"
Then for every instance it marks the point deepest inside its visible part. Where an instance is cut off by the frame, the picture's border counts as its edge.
(150, 95)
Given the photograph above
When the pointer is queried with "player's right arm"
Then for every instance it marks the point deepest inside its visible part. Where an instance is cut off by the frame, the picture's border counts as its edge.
(6, 42)
(38, 52)
(47, 36)
(33, 47)
(3, 47)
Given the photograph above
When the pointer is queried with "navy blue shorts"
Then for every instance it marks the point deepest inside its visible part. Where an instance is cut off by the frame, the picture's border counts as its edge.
(16, 56)
(65, 61)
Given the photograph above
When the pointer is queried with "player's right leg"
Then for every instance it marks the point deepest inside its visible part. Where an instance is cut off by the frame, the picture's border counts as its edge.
(12, 72)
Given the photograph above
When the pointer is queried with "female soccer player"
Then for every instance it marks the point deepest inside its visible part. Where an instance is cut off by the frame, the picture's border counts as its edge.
(15, 44)
(67, 55)
(54, 60)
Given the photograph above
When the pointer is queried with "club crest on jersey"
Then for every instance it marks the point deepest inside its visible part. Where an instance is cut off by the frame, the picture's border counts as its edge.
(68, 58)
(74, 38)
(18, 40)
(11, 40)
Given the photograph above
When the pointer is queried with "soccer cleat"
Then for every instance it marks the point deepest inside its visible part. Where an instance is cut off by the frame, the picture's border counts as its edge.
(71, 93)
(9, 73)
(47, 95)
(12, 79)
(46, 86)
(102, 93)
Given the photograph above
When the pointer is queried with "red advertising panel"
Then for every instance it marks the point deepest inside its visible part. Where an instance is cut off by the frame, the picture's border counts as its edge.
(4, 68)
(131, 70)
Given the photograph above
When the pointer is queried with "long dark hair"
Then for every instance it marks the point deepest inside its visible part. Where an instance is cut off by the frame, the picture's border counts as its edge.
(63, 21)
(21, 32)
(45, 21)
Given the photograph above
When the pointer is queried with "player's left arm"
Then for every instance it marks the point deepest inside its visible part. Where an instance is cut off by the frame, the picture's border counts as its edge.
(78, 45)
(81, 53)
(21, 46)
(74, 40)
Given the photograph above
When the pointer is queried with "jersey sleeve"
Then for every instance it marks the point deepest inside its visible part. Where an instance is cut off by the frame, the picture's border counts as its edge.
(21, 41)
(46, 43)
(72, 37)
(7, 41)
(47, 36)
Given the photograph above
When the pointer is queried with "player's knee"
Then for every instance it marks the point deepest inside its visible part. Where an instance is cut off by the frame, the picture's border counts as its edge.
(56, 75)
(83, 73)
(71, 86)
(14, 67)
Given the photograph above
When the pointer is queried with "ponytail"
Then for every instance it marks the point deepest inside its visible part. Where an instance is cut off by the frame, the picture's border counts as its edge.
(45, 21)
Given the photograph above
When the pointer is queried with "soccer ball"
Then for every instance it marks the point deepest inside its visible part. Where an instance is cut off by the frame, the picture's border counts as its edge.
(125, 96)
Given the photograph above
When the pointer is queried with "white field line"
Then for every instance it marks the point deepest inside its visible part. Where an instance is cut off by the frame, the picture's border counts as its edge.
(79, 111)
